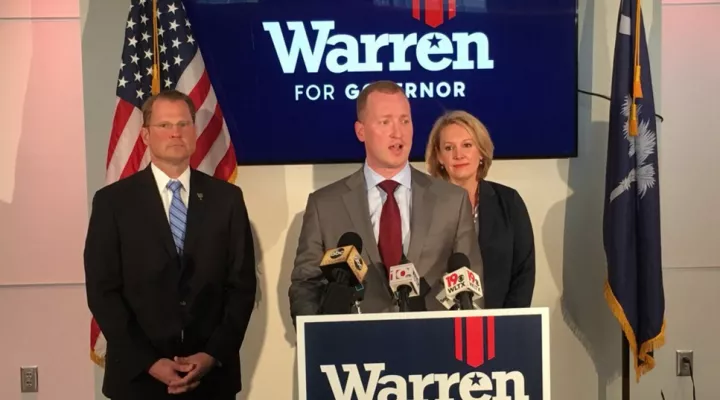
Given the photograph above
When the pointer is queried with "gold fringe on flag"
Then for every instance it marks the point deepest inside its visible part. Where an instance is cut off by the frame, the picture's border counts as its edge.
(156, 52)
(233, 175)
(648, 362)
(100, 361)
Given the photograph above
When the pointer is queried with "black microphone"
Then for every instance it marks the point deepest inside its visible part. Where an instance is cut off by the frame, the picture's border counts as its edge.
(404, 283)
(417, 303)
(353, 239)
(462, 284)
(345, 270)
(338, 299)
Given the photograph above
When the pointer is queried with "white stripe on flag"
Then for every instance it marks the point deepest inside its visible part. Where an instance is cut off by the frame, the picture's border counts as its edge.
(192, 74)
(217, 152)
(124, 147)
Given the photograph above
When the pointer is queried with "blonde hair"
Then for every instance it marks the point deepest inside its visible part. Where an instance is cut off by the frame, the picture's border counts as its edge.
(477, 130)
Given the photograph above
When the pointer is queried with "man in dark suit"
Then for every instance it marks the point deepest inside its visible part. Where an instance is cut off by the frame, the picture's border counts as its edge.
(394, 208)
(170, 269)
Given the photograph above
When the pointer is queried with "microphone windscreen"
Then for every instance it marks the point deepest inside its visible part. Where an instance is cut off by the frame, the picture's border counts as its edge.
(458, 260)
(351, 239)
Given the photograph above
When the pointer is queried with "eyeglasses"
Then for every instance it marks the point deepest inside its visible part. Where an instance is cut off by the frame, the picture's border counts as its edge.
(166, 126)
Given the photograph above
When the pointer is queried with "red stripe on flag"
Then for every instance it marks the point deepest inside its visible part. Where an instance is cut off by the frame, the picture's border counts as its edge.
(452, 9)
(133, 163)
(227, 165)
(458, 339)
(490, 338)
(434, 12)
(123, 111)
(416, 9)
(201, 90)
(474, 340)
(94, 333)
(208, 137)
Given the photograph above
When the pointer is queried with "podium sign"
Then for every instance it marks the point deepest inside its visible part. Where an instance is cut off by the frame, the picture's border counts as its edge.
(460, 355)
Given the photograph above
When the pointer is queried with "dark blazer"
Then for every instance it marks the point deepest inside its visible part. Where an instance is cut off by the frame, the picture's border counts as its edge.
(143, 295)
(507, 245)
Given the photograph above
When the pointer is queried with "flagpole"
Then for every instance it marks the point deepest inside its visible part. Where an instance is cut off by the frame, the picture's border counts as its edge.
(625, 367)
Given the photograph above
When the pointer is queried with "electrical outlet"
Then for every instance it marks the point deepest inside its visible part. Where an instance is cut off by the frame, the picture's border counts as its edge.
(29, 379)
(682, 368)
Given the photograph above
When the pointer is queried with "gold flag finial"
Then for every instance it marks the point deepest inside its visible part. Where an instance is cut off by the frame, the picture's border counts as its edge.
(637, 84)
(156, 54)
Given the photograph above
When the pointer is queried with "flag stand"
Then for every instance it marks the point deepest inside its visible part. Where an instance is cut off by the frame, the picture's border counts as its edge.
(625, 367)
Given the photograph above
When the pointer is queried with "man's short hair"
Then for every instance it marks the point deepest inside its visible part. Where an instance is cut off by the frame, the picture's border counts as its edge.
(170, 95)
(387, 87)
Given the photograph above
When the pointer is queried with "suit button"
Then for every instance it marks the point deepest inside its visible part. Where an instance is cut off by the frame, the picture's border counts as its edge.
(182, 303)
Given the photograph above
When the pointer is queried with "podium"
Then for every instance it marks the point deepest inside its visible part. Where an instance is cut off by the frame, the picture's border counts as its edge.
(435, 355)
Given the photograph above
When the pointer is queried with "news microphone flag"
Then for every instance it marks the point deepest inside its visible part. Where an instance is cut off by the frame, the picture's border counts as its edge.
(160, 53)
(462, 280)
(404, 274)
(346, 258)
(631, 220)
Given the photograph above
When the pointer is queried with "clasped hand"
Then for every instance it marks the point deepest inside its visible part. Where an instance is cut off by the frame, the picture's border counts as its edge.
(194, 367)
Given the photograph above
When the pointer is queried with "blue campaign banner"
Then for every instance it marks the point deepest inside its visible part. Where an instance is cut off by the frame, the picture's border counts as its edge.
(287, 73)
(503, 354)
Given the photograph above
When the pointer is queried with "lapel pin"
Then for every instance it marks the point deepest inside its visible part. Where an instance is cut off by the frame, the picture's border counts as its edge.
(200, 196)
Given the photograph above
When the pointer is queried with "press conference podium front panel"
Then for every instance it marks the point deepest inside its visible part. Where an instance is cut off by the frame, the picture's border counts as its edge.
(461, 355)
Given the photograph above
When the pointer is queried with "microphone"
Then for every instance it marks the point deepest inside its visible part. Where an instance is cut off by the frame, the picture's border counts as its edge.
(462, 285)
(345, 271)
(404, 283)
(447, 302)
(344, 264)
(417, 303)
(338, 299)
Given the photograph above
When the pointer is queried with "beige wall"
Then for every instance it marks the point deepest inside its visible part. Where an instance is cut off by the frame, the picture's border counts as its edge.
(564, 198)
(43, 210)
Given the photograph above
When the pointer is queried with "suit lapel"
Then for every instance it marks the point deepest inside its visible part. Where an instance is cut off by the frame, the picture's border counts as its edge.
(489, 213)
(423, 202)
(356, 203)
(156, 216)
(197, 201)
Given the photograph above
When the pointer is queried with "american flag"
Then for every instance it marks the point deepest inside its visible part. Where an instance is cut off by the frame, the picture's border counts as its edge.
(180, 67)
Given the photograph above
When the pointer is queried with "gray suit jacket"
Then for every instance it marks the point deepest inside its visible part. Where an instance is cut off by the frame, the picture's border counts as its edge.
(441, 223)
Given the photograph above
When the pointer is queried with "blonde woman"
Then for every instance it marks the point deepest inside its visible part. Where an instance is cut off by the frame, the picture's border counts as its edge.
(460, 150)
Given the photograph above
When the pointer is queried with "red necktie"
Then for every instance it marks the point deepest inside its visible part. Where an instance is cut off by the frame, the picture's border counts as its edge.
(390, 236)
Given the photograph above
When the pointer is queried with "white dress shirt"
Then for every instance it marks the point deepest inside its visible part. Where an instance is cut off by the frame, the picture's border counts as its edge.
(166, 194)
(377, 197)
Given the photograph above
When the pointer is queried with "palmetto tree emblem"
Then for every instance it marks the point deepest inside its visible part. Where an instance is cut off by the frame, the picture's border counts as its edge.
(640, 147)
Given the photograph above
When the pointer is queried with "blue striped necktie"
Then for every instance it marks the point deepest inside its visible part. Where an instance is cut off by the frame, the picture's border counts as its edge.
(178, 215)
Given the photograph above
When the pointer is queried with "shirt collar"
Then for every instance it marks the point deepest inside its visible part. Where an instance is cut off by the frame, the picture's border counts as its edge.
(372, 178)
(162, 179)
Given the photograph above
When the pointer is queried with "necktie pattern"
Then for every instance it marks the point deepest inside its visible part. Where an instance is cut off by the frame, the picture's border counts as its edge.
(390, 232)
(178, 215)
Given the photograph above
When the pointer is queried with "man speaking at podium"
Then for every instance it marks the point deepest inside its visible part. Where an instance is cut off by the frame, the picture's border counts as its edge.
(397, 211)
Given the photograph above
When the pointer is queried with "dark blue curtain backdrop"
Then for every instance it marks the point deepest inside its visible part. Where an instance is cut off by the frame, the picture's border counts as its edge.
(286, 73)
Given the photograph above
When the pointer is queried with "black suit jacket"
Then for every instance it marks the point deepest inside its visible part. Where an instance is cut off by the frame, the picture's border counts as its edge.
(507, 246)
(143, 295)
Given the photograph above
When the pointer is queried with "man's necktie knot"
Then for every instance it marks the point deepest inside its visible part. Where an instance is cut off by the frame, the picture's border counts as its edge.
(174, 186)
(388, 186)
